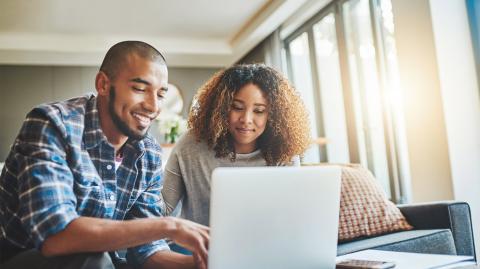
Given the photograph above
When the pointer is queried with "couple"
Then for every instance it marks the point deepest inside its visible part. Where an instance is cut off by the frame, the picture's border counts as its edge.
(84, 177)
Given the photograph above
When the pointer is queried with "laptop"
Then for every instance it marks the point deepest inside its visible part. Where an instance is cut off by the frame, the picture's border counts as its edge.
(274, 217)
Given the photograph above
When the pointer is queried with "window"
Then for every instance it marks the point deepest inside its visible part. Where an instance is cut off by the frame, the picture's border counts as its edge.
(330, 89)
(344, 62)
(365, 88)
(300, 67)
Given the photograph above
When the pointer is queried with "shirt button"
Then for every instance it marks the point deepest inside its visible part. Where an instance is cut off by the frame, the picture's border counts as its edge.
(109, 167)
(112, 197)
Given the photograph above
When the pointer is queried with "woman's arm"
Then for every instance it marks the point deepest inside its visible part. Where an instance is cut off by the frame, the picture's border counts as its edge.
(173, 185)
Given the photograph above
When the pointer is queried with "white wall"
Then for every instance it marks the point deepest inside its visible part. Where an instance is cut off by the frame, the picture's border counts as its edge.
(439, 79)
(461, 100)
(424, 117)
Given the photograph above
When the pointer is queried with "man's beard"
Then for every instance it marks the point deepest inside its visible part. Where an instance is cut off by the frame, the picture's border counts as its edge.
(121, 125)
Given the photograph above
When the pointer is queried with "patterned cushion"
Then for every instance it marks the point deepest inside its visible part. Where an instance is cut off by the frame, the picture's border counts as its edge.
(364, 208)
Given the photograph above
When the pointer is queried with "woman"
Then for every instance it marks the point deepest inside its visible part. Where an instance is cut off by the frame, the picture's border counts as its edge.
(246, 115)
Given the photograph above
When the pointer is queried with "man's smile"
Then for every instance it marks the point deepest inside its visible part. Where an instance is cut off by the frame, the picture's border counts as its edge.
(144, 120)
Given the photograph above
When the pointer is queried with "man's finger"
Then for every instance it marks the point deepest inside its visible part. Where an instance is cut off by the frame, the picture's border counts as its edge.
(205, 238)
(203, 248)
(201, 263)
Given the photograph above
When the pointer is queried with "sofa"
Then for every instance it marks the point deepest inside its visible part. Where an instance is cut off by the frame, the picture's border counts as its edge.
(439, 228)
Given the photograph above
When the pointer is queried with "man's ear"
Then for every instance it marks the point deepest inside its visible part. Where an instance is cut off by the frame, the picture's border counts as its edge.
(102, 83)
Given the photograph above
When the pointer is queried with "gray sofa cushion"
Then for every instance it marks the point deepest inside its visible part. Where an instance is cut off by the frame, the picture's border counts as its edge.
(434, 241)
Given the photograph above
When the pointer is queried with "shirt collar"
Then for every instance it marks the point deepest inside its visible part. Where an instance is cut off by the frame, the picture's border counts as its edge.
(92, 134)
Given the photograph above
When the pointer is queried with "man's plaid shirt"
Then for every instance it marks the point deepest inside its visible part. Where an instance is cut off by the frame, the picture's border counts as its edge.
(62, 167)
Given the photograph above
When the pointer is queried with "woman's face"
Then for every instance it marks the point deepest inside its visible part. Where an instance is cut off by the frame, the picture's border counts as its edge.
(247, 118)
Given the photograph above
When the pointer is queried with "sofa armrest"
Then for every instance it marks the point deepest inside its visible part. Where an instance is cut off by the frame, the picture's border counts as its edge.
(453, 215)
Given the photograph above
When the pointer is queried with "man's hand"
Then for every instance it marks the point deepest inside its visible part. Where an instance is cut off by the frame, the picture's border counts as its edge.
(98, 235)
(192, 236)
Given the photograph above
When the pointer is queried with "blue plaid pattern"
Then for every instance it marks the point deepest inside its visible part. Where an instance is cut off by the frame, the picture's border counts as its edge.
(62, 167)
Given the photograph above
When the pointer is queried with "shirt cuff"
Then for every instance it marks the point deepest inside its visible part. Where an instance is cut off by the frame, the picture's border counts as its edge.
(52, 222)
(137, 256)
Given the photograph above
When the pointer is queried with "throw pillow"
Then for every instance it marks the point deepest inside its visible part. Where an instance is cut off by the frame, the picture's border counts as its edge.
(364, 208)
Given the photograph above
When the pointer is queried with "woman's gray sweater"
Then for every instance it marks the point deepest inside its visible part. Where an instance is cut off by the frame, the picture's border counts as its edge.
(187, 176)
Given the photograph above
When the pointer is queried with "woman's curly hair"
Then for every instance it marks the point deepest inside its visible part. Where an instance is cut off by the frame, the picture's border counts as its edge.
(287, 132)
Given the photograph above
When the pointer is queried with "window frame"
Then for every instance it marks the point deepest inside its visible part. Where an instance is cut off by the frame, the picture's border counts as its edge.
(395, 174)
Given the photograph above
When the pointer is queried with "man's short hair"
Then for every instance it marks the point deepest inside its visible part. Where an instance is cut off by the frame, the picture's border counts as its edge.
(117, 54)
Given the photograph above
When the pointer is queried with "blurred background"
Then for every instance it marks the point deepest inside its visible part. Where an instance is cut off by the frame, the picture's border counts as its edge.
(390, 84)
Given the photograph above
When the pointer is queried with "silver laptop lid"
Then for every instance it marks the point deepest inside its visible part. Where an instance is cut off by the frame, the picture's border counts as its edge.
(274, 217)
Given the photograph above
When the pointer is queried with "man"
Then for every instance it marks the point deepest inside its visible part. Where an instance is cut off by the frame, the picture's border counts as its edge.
(83, 177)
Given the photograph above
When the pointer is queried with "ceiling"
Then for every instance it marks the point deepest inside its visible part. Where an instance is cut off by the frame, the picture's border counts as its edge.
(194, 33)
